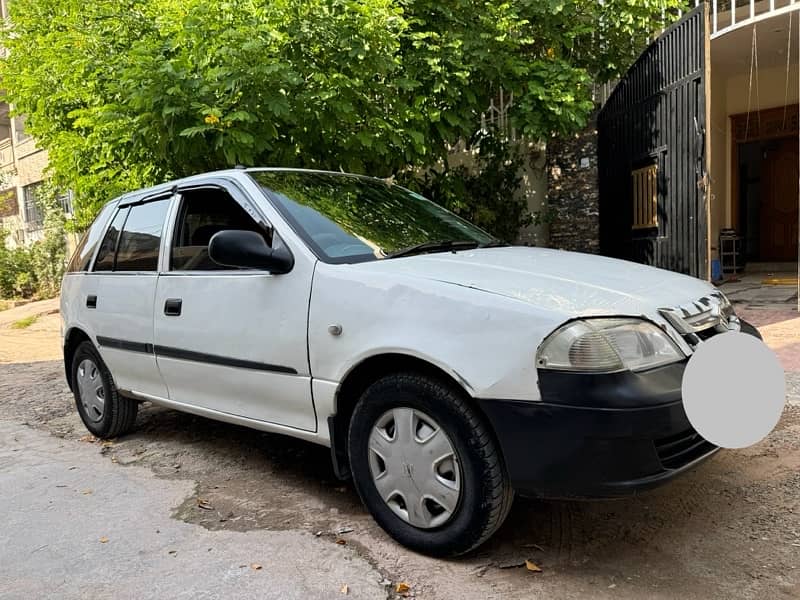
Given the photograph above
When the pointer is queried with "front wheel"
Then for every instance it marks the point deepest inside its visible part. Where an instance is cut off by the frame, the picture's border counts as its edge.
(426, 465)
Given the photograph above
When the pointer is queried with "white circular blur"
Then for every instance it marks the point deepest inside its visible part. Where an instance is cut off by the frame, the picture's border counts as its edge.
(734, 390)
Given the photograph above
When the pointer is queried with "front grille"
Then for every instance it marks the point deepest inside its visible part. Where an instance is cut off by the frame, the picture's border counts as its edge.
(698, 321)
(707, 333)
(682, 448)
(695, 337)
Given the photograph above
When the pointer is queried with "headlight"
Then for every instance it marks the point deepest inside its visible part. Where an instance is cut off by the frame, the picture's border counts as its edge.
(607, 345)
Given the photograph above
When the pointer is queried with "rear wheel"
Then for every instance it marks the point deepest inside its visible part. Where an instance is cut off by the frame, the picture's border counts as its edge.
(426, 465)
(103, 411)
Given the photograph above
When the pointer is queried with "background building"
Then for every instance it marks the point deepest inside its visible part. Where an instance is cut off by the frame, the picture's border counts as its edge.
(22, 166)
(695, 147)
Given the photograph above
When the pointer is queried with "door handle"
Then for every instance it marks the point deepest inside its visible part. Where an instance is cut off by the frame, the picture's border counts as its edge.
(172, 307)
(91, 301)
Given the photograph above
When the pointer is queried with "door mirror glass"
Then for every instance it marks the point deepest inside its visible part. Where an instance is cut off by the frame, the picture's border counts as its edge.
(248, 250)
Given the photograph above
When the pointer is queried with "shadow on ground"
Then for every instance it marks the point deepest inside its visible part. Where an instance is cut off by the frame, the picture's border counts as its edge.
(732, 526)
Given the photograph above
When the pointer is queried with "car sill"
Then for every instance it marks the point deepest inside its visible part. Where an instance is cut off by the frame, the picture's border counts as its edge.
(217, 415)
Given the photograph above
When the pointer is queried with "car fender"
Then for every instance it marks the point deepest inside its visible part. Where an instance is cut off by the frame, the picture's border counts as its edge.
(485, 341)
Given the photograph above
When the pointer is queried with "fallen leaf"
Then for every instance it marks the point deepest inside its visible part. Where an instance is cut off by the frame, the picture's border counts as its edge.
(532, 566)
(173, 552)
(345, 590)
(86, 492)
(107, 444)
(341, 542)
(114, 458)
(204, 504)
(88, 438)
(402, 587)
(103, 540)
(256, 567)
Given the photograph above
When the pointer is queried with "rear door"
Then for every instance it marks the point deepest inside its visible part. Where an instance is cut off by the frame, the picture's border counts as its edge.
(653, 154)
(125, 272)
(231, 340)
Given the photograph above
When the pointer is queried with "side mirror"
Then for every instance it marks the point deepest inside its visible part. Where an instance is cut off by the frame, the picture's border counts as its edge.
(249, 250)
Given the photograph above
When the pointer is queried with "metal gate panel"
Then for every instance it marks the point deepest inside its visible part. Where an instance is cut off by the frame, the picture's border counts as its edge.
(656, 117)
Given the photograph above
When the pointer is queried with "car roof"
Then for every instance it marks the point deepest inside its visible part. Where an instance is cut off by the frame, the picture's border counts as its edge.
(237, 171)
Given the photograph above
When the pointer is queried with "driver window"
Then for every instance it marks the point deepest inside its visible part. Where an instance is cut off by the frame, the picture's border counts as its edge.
(203, 213)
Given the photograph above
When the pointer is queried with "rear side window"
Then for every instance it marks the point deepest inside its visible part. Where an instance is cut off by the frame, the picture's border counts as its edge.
(108, 247)
(83, 253)
(141, 237)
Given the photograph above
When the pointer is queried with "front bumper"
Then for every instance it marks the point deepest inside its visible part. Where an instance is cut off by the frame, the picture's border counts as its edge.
(598, 436)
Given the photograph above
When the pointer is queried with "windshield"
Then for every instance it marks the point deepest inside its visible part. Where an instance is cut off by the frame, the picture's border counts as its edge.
(347, 218)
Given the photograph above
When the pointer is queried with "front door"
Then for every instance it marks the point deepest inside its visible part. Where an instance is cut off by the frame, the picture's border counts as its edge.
(229, 340)
(779, 203)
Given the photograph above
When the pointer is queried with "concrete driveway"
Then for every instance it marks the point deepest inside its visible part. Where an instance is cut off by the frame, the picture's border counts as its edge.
(187, 507)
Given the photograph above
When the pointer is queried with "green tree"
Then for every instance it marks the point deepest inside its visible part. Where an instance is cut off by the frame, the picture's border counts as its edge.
(132, 92)
(485, 192)
(49, 253)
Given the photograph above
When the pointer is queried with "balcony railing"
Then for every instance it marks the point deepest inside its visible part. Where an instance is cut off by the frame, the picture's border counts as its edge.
(726, 15)
(731, 14)
(6, 153)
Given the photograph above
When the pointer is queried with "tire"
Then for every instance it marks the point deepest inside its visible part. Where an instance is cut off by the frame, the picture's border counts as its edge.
(103, 411)
(475, 465)
(750, 329)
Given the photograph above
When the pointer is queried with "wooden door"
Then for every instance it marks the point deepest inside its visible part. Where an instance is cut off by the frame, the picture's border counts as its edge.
(779, 203)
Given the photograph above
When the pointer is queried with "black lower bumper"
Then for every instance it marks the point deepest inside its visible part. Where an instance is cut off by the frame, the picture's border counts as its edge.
(634, 437)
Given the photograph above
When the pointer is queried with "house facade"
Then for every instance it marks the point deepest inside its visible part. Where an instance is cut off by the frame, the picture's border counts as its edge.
(692, 162)
(22, 166)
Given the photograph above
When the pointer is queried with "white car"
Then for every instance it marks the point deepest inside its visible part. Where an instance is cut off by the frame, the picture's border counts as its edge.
(445, 369)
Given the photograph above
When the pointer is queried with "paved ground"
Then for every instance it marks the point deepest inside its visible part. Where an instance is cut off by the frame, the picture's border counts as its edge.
(187, 505)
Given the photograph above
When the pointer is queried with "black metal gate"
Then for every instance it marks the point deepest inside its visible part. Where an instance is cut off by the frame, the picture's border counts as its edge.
(652, 154)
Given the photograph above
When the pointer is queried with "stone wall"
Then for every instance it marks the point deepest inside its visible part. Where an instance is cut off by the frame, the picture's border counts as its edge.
(572, 191)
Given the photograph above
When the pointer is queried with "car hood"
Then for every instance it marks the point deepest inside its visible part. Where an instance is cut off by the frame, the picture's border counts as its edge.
(569, 283)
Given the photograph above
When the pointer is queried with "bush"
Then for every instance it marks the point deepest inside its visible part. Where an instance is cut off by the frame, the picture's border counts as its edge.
(485, 194)
(36, 271)
(50, 254)
(16, 272)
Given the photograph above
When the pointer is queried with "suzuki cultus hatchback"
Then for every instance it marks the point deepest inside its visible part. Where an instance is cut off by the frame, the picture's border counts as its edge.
(445, 369)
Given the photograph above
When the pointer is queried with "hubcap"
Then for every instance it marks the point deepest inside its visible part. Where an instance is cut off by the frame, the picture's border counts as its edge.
(414, 467)
(90, 390)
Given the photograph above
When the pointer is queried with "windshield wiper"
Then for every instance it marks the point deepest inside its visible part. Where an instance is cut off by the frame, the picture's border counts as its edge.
(494, 244)
(434, 246)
